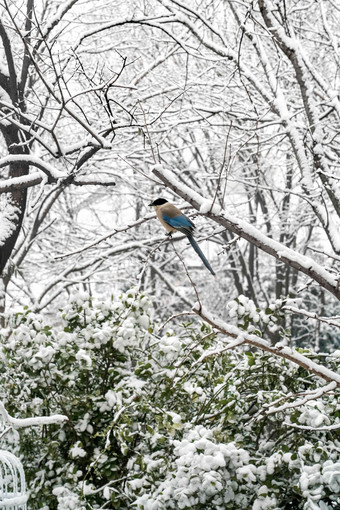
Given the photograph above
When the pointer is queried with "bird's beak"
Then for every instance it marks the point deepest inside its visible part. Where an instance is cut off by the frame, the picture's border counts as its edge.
(150, 205)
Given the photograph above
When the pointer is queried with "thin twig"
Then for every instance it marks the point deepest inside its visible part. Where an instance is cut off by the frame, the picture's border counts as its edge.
(222, 167)
(187, 273)
(147, 130)
(159, 183)
(184, 314)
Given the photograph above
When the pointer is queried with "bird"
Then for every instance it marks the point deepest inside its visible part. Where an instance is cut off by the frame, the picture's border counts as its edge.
(173, 220)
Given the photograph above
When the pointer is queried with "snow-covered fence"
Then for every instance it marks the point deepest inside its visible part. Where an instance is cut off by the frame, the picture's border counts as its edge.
(12, 482)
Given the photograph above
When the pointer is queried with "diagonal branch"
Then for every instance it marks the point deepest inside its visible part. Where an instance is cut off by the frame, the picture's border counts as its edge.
(247, 231)
(281, 351)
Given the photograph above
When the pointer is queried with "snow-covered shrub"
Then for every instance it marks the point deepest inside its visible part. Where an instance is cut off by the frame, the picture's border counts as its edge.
(150, 427)
(205, 475)
(255, 320)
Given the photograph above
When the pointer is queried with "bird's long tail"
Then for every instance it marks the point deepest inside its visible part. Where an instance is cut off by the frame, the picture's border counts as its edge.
(200, 254)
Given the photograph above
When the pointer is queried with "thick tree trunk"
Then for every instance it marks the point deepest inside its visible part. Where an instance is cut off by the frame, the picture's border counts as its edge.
(14, 211)
(14, 205)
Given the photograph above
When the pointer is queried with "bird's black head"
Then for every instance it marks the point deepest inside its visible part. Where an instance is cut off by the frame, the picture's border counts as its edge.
(158, 201)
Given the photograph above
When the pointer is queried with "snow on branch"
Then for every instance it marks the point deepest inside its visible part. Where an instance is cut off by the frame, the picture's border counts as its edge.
(277, 350)
(30, 422)
(54, 20)
(52, 173)
(25, 181)
(92, 181)
(311, 315)
(33, 179)
(307, 397)
(336, 426)
(247, 231)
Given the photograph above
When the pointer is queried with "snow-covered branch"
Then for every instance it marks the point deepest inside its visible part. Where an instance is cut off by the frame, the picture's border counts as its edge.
(16, 183)
(328, 320)
(33, 179)
(247, 231)
(325, 428)
(30, 422)
(92, 181)
(52, 173)
(277, 350)
(307, 396)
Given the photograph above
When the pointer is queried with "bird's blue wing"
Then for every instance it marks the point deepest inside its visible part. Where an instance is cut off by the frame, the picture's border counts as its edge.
(178, 221)
(181, 223)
